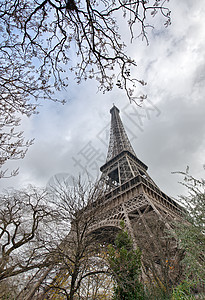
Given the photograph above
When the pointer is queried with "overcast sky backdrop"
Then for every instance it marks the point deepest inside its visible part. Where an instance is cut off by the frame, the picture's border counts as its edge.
(168, 133)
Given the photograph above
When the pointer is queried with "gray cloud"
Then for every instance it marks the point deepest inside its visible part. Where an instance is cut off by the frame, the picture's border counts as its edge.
(173, 65)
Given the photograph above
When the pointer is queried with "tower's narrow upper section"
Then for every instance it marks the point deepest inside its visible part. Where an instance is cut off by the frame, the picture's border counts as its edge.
(118, 138)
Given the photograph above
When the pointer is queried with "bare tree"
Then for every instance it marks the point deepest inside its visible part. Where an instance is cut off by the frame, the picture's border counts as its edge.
(24, 229)
(47, 30)
(79, 254)
(41, 40)
(97, 286)
(12, 143)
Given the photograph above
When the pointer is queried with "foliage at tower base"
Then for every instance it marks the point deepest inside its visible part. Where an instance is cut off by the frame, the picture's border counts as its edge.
(191, 236)
(125, 267)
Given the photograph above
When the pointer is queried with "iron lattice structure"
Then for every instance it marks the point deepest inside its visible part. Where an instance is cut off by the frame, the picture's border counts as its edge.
(128, 193)
(127, 187)
(118, 138)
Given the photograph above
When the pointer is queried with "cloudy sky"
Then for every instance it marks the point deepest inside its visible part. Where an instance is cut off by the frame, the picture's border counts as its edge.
(168, 133)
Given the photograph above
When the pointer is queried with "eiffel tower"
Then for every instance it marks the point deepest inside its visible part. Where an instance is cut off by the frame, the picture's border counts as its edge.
(128, 193)
(128, 190)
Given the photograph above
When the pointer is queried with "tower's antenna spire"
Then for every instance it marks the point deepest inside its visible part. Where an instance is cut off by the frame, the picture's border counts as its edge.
(118, 138)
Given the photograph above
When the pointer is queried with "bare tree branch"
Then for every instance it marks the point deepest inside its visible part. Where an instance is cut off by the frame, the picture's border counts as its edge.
(37, 41)
(22, 243)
